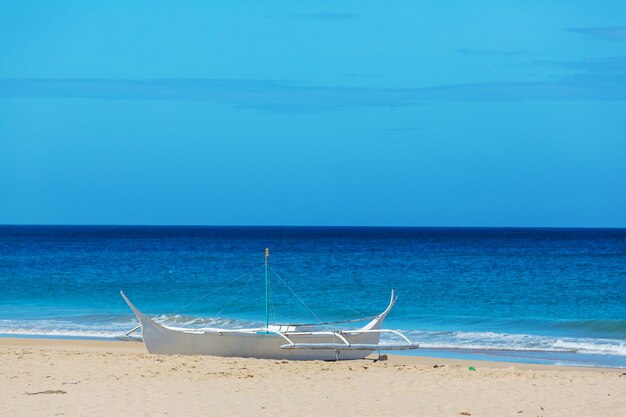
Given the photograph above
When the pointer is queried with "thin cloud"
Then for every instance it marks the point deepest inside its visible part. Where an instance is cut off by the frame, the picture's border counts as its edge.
(311, 17)
(322, 16)
(607, 66)
(269, 95)
(614, 33)
(362, 75)
(492, 52)
(401, 129)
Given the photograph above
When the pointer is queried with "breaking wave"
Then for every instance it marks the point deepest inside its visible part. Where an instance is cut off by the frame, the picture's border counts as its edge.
(517, 342)
(108, 326)
(114, 326)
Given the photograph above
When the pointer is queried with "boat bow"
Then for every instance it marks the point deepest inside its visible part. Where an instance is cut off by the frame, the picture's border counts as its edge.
(377, 322)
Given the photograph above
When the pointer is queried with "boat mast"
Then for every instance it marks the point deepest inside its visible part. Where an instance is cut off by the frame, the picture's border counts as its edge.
(267, 317)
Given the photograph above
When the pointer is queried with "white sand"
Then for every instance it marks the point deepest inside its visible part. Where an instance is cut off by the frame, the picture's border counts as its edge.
(88, 378)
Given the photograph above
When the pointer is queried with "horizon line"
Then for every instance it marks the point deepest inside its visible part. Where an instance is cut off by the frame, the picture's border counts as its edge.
(304, 226)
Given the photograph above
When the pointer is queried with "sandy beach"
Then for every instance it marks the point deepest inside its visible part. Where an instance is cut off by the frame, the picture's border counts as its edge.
(43, 377)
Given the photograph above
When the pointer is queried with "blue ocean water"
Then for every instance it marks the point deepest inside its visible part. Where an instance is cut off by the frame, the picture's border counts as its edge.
(535, 295)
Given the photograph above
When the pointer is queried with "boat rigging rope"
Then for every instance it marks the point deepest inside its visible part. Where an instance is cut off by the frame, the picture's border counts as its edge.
(273, 312)
(299, 299)
(327, 294)
(235, 295)
(360, 319)
(215, 289)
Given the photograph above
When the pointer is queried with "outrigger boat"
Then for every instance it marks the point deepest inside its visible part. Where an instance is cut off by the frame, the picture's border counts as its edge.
(280, 341)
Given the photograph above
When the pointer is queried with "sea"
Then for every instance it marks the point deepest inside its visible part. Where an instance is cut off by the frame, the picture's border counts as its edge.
(534, 295)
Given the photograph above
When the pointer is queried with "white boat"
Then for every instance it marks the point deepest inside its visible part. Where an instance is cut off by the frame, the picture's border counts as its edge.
(289, 341)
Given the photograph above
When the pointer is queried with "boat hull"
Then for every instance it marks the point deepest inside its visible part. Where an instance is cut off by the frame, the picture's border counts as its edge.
(260, 345)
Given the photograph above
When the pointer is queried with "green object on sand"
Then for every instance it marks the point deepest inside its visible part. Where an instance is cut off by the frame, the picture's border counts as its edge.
(471, 368)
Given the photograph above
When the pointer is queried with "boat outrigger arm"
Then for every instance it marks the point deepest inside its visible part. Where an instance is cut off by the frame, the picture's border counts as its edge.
(288, 341)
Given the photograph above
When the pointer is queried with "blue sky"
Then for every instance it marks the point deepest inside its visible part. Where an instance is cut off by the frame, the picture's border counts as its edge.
(330, 113)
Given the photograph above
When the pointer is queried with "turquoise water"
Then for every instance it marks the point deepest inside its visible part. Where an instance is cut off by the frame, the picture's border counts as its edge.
(530, 295)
